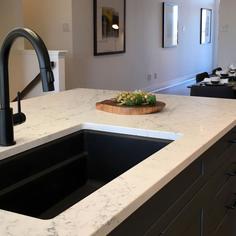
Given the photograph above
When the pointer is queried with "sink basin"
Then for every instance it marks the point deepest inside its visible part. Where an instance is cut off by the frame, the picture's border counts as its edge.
(44, 181)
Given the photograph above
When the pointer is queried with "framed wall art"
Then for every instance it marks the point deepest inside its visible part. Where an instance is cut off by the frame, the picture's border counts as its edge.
(109, 26)
(205, 29)
(170, 25)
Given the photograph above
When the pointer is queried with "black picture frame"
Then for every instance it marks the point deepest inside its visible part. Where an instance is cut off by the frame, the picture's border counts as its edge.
(109, 20)
(170, 21)
(205, 26)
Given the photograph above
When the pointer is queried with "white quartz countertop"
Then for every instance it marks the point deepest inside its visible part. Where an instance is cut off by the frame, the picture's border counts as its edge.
(195, 122)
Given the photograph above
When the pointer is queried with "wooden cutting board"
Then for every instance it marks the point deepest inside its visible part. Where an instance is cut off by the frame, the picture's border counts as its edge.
(112, 107)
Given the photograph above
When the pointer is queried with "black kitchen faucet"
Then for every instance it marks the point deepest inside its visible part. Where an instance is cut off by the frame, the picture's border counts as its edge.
(7, 118)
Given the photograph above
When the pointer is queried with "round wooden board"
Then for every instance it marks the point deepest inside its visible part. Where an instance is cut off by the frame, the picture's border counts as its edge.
(113, 107)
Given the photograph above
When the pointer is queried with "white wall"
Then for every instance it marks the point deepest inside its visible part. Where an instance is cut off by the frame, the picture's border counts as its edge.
(216, 33)
(227, 33)
(24, 74)
(144, 53)
(68, 25)
(10, 17)
(52, 20)
(45, 18)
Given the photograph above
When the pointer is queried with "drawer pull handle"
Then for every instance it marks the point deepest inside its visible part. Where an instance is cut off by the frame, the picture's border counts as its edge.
(233, 173)
(232, 141)
(232, 206)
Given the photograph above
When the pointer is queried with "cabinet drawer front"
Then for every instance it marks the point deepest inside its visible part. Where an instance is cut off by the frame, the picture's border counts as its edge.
(227, 227)
(220, 205)
(169, 199)
(187, 222)
(224, 150)
(224, 172)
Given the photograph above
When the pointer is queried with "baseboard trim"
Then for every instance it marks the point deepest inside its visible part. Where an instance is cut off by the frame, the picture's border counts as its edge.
(170, 84)
(174, 85)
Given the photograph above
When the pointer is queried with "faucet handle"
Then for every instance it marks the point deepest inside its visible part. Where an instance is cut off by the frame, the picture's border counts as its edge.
(19, 117)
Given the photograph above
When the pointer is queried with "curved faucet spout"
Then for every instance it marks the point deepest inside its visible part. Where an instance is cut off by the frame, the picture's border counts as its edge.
(6, 123)
(43, 58)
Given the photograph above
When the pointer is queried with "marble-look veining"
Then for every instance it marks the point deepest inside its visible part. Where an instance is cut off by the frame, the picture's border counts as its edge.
(195, 123)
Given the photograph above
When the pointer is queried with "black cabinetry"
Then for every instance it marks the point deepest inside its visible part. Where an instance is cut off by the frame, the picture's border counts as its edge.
(200, 201)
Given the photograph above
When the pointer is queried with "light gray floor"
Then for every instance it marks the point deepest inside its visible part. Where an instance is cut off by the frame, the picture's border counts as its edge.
(179, 89)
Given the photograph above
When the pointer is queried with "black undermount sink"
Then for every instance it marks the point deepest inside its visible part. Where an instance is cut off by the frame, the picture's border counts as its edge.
(44, 181)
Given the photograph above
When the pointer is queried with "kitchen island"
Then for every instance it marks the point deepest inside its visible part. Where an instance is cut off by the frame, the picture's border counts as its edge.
(195, 124)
